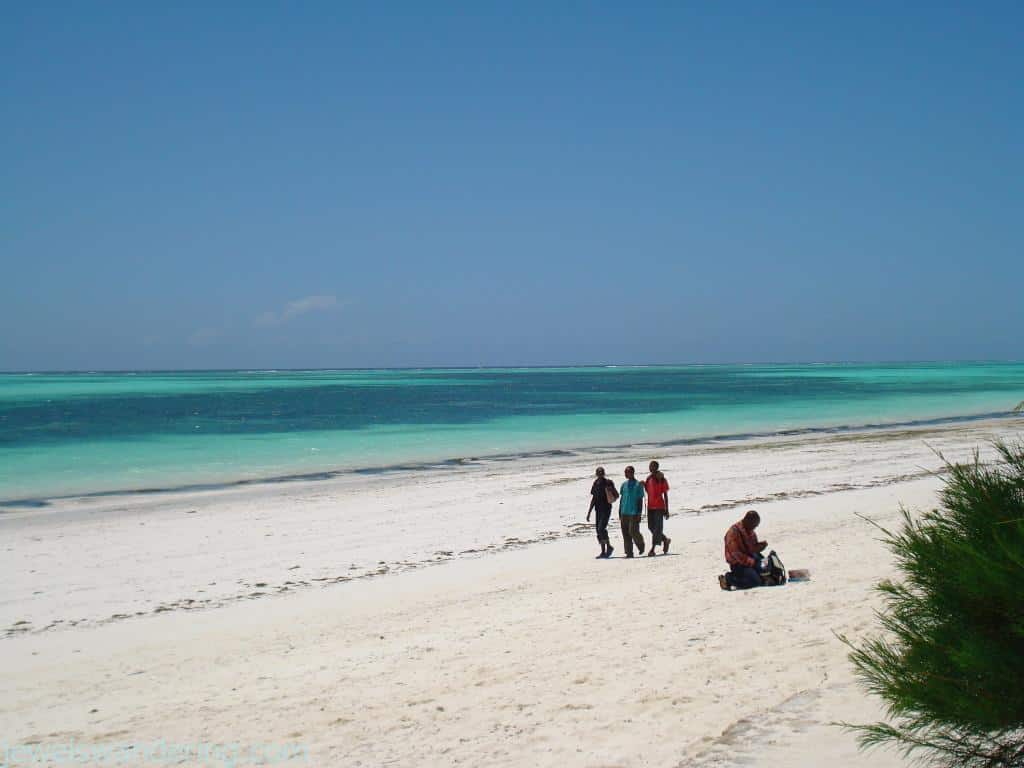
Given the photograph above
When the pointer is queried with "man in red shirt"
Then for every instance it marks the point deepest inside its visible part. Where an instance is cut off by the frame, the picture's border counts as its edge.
(656, 487)
(743, 554)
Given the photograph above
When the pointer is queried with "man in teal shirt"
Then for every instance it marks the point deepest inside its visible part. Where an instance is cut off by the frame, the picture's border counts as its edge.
(631, 505)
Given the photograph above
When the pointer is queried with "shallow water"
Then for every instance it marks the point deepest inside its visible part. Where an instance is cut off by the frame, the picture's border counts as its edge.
(77, 433)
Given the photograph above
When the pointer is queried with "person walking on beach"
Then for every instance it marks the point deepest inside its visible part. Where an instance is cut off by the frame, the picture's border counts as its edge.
(657, 508)
(631, 507)
(743, 554)
(602, 495)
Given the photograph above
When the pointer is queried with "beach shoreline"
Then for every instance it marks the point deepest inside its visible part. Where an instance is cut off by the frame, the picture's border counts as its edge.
(654, 447)
(237, 617)
(122, 435)
(253, 541)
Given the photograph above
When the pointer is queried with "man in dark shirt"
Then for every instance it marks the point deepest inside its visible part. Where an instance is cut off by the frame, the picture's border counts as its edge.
(602, 505)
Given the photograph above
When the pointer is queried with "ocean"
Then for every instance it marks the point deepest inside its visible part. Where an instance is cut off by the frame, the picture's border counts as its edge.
(65, 434)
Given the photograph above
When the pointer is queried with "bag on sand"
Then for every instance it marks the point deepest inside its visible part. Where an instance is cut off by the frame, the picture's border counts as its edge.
(773, 572)
(610, 493)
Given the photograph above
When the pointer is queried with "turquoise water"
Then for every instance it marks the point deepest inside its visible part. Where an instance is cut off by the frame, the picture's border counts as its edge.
(74, 433)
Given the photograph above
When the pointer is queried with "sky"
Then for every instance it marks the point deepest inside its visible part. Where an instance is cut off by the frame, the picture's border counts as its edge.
(289, 185)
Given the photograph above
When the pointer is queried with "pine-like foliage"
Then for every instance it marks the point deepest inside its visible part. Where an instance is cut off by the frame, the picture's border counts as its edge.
(950, 666)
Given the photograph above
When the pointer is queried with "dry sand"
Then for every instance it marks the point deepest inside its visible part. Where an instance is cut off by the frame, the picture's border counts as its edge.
(514, 647)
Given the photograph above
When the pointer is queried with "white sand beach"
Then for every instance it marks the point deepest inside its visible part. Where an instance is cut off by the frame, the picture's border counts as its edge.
(457, 617)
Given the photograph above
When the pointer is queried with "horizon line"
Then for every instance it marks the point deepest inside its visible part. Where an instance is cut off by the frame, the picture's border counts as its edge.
(548, 366)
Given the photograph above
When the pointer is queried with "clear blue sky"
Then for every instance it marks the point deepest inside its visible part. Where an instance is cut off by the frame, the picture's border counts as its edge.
(341, 184)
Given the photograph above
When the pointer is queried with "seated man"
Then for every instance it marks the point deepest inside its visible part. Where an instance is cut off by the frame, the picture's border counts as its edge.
(743, 553)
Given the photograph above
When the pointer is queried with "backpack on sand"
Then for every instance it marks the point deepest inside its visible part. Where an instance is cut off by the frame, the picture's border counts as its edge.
(773, 572)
